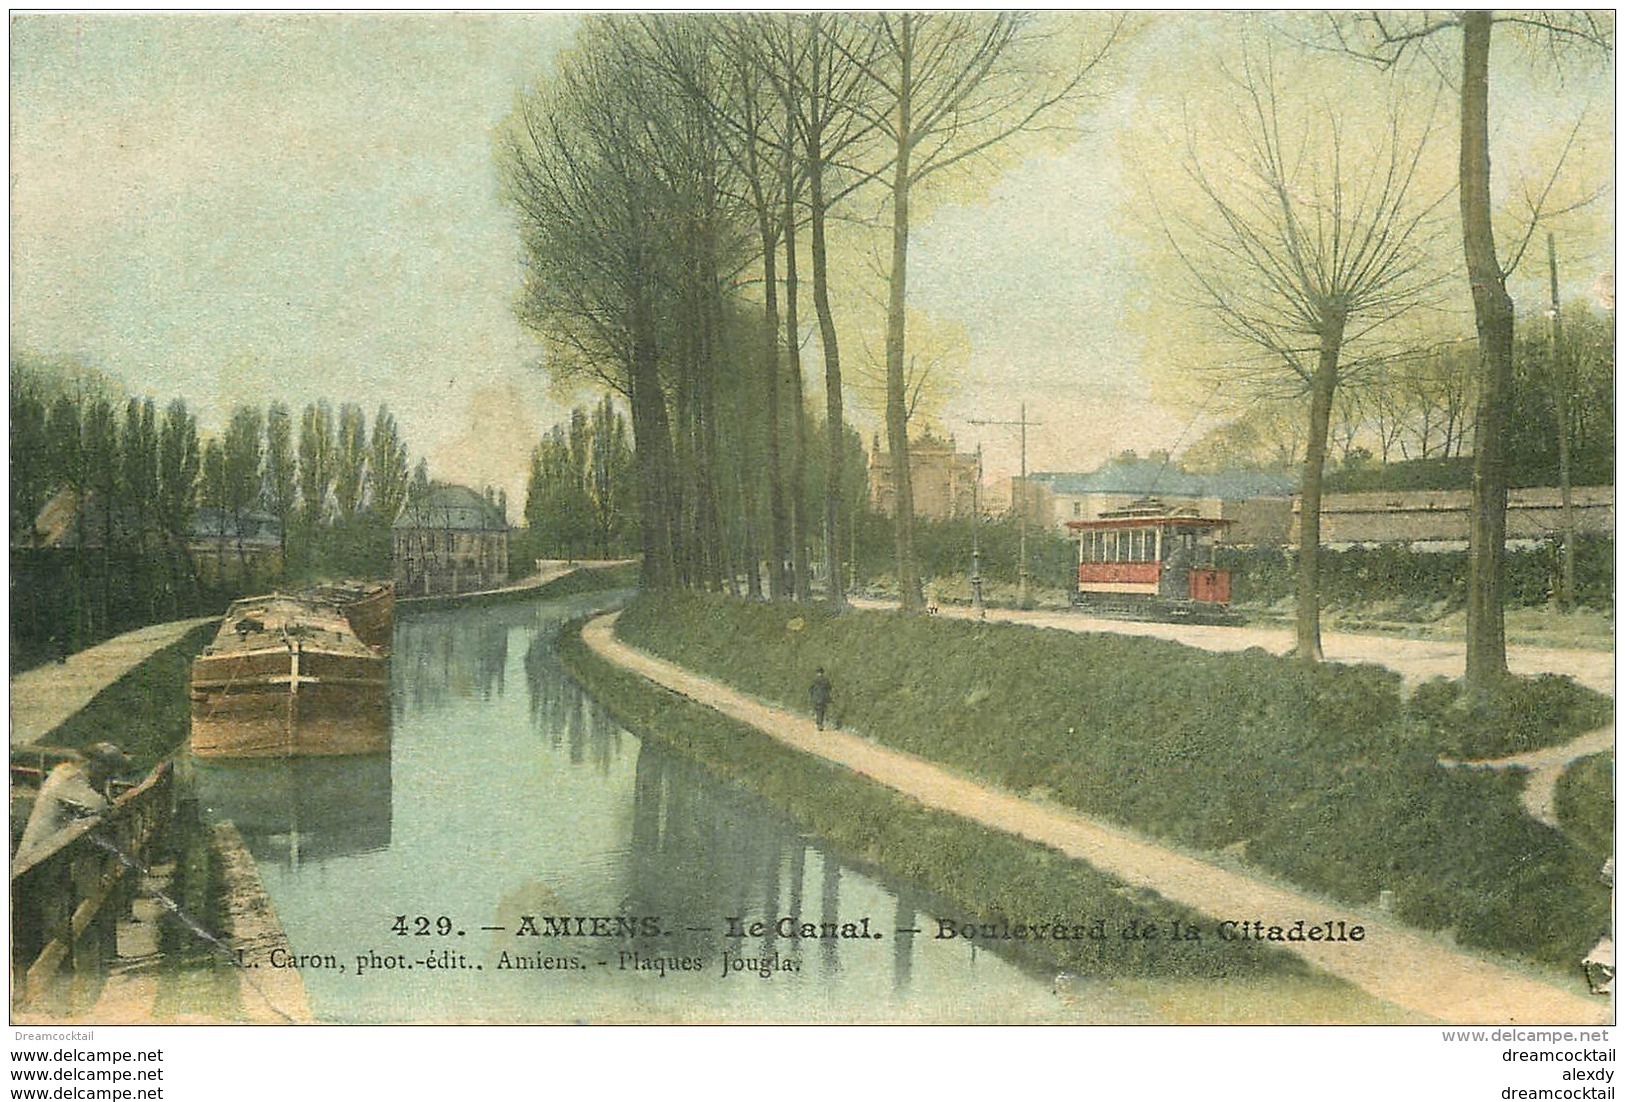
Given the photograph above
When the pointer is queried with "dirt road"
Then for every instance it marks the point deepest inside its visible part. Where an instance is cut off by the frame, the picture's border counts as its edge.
(1410, 970)
(1415, 660)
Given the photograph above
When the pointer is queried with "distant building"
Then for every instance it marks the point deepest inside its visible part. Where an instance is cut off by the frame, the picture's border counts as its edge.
(449, 539)
(1258, 503)
(222, 549)
(225, 551)
(1437, 520)
(63, 525)
(942, 477)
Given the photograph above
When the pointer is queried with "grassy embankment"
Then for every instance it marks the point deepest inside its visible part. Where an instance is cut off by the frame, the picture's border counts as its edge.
(1318, 775)
(591, 579)
(975, 872)
(146, 711)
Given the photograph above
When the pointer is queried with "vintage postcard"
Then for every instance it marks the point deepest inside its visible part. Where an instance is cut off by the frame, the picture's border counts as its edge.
(767, 517)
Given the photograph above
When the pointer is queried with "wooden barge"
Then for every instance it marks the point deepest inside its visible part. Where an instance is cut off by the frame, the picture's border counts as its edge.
(289, 675)
(368, 606)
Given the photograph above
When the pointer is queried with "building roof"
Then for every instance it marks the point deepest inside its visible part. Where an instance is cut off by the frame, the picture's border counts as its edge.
(258, 529)
(63, 524)
(1147, 477)
(453, 508)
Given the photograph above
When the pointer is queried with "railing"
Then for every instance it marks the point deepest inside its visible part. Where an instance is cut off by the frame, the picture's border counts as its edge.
(66, 903)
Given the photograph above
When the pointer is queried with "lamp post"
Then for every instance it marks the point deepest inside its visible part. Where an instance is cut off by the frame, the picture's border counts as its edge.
(1018, 502)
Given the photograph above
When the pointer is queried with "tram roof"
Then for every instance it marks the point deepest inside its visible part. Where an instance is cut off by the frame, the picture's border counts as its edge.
(1161, 520)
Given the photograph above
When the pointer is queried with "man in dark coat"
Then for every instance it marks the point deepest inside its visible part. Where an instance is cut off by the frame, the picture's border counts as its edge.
(820, 693)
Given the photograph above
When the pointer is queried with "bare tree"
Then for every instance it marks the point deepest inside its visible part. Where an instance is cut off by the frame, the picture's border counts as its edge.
(1387, 39)
(820, 63)
(948, 86)
(1302, 248)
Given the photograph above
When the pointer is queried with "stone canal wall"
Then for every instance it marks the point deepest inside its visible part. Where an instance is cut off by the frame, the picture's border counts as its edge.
(269, 995)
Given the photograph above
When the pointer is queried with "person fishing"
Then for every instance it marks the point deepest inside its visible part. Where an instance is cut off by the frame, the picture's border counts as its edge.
(820, 693)
(75, 790)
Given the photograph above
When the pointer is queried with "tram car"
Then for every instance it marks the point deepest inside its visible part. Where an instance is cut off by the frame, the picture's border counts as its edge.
(1153, 561)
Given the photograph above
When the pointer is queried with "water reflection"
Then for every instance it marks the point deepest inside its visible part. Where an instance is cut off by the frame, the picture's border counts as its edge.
(298, 810)
(433, 666)
(502, 809)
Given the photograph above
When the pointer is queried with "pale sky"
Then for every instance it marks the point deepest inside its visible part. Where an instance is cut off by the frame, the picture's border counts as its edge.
(246, 208)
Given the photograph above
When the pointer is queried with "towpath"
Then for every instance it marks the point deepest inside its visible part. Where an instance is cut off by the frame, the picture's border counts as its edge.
(547, 570)
(45, 698)
(1407, 969)
(1415, 660)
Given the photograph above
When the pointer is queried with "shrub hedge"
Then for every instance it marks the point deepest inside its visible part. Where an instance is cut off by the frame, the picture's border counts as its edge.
(1585, 804)
(1315, 772)
(1522, 714)
(1365, 575)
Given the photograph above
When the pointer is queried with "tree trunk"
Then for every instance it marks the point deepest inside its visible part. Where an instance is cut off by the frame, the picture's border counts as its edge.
(1492, 309)
(908, 573)
(720, 558)
(1322, 389)
(1560, 406)
(652, 454)
(778, 535)
(834, 415)
(799, 537)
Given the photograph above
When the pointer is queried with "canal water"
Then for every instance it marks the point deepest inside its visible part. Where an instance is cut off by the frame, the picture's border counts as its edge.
(520, 857)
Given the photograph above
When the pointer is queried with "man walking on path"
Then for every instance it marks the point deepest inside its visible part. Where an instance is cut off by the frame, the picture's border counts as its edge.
(820, 696)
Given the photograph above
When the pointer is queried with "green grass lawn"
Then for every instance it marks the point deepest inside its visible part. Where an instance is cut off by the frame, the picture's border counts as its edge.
(147, 712)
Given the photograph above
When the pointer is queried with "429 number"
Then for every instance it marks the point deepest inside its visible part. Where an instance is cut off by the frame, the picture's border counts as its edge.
(421, 926)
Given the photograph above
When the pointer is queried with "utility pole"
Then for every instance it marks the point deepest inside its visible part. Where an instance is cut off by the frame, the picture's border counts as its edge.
(1560, 392)
(1022, 599)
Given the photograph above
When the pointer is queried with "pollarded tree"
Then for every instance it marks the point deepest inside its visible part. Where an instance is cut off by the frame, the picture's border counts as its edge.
(1388, 40)
(1302, 243)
